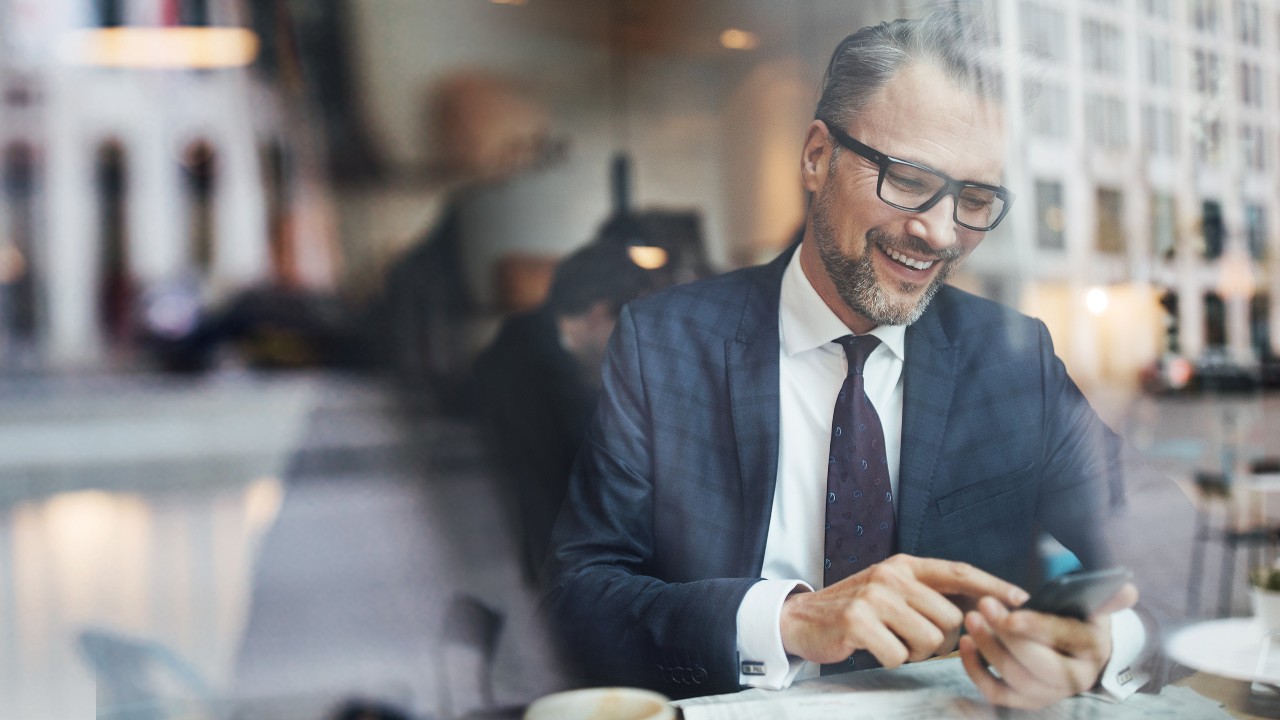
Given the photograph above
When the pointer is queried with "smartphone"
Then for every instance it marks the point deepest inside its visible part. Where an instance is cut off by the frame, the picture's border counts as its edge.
(1079, 594)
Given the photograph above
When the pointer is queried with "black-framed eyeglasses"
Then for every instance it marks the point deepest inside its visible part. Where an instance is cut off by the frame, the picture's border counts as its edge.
(915, 188)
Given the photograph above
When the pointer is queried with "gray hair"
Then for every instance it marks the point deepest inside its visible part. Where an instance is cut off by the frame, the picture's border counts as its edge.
(954, 40)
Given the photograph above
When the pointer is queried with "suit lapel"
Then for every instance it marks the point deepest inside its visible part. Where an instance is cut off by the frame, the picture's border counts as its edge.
(751, 363)
(928, 383)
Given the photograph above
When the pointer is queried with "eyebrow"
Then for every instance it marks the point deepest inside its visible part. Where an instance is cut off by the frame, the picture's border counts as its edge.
(847, 140)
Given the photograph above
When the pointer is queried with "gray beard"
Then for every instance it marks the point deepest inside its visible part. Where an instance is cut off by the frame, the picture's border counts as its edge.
(855, 278)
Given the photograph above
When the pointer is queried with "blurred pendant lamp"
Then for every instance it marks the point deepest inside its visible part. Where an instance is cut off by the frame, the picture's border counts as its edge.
(183, 40)
(624, 224)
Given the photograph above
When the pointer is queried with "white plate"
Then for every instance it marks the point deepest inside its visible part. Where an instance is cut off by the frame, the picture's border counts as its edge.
(1230, 648)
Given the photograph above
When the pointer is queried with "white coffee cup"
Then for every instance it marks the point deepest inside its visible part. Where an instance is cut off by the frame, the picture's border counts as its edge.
(610, 703)
(1266, 608)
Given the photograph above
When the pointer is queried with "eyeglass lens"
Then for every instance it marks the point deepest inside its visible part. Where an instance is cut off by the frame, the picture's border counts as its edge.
(911, 188)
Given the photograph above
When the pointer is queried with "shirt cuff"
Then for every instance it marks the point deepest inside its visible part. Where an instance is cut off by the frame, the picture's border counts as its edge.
(1121, 677)
(762, 662)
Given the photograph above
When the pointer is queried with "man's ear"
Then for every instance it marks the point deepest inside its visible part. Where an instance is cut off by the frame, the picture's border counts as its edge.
(815, 160)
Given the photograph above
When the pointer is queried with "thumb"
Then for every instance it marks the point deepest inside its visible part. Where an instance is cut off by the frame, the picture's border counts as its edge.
(1125, 597)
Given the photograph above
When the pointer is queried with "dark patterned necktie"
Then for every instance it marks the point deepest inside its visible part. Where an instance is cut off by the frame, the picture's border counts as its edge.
(860, 525)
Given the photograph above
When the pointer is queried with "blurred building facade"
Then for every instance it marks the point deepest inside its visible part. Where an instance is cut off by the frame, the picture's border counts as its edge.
(144, 176)
(1147, 166)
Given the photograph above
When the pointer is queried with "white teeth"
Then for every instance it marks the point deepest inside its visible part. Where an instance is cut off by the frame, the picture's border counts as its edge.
(903, 259)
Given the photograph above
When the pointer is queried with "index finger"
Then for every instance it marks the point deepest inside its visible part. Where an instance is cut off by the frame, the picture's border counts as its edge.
(956, 578)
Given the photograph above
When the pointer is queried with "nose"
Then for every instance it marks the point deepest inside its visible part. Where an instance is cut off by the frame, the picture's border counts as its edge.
(937, 225)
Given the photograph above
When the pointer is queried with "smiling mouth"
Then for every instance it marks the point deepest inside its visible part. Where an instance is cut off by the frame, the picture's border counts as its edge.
(906, 261)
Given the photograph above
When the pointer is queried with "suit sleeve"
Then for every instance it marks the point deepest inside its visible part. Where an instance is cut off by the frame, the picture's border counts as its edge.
(1080, 453)
(613, 614)
(1087, 466)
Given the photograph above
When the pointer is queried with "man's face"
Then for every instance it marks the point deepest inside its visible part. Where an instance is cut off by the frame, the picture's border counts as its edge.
(875, 264)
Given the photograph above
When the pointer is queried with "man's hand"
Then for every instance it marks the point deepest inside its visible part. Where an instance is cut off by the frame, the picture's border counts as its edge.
(895, 609)
(1037, 658)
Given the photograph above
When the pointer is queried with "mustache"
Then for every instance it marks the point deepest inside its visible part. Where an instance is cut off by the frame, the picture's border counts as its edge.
(913, 246)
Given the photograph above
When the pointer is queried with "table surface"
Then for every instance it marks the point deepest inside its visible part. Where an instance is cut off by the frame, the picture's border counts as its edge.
(1233, 694)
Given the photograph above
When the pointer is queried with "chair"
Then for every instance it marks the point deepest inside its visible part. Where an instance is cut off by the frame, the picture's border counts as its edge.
(144, 680)
(1221, 517)
(469, 642)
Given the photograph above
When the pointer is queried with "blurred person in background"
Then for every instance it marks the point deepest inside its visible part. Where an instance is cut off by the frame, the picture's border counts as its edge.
(421, 329)
(536, 385)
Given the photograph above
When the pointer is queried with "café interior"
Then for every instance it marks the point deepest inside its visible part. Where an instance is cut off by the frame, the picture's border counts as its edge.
(252, 253)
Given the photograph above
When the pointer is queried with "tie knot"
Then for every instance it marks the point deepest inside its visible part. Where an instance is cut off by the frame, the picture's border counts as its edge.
(857, 348)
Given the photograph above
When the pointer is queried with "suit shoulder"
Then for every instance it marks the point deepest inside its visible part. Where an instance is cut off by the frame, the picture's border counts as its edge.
(971, 320)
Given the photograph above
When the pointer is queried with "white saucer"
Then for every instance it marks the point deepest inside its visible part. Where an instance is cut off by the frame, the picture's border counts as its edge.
(1229, 648)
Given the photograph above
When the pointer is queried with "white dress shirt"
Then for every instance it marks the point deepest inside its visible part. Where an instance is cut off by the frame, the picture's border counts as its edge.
(812, 368)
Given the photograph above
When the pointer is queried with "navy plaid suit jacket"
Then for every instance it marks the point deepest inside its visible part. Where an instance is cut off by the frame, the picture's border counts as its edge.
(663, 530)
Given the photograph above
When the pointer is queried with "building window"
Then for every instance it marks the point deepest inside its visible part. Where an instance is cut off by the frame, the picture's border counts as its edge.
(1204, 15)
(1164, 228)
(1251, 84)
(1159, 9)
(1105, 121)
(1208, 134)
(1110, 231)
(193, 12)
(1253, 148)
(1260, 325)
(1211, 229)
(1103, 48)
(1050, 217)
(199, 165)
(1049, 111)
(1206, 71)
(1215, 320)
(1159, 131)
(17, 277)
(1158, 60)
(110, 13)
(115, 289)
(1255, 228)
(1248, 22)
(1042, 31)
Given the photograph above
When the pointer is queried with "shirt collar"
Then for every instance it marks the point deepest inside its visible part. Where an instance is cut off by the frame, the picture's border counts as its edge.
(805, 322)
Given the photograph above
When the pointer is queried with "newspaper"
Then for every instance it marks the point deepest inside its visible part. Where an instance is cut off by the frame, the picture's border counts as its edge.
(927, 691)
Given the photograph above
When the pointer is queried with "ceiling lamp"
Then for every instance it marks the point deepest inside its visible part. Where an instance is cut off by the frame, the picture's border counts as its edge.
(649, 257)
(735, 39)
(160, 48)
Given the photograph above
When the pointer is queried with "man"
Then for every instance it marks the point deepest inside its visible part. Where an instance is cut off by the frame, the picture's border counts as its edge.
(536, 385)
(721, 530)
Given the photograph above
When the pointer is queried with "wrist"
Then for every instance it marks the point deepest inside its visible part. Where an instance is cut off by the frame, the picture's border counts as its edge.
(789, 619)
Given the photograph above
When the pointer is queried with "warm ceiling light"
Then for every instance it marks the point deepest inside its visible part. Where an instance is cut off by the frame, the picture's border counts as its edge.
(1096, 300)
(649, 257)
(508, 2)
(735, 39)
(186, 48)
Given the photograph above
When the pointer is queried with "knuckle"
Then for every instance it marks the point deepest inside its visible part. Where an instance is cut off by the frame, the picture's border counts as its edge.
(886, 574)
(952, 617)
(893, 657)
(933, 639)
(856, 613)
